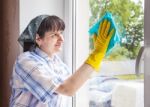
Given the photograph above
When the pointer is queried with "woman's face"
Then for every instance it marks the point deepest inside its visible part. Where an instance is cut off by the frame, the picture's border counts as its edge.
(51, 43)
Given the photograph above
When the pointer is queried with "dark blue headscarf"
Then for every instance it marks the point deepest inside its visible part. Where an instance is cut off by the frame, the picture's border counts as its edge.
(28, 35)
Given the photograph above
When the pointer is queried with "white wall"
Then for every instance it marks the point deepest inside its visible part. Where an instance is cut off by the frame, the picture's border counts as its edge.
(68, 34)
(82, 36)
(82, 46)
(32, 8)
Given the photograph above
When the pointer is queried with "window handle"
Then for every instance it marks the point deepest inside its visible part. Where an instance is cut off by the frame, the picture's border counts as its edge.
(139, 59)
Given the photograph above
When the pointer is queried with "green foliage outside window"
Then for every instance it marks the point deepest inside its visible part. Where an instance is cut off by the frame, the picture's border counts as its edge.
(129, 17)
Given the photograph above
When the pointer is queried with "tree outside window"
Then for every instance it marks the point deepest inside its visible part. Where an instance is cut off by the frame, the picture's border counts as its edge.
(129, 18)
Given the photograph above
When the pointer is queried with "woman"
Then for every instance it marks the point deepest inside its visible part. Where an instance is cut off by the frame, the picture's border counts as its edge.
(39, 76)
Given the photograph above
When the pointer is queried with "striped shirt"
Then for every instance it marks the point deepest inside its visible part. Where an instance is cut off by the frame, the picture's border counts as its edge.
(35, 78)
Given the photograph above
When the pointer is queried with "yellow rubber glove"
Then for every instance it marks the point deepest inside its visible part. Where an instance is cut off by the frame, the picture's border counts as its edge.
(101, 42)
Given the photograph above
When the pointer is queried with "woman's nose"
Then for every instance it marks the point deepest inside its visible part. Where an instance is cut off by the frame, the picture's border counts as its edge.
(61, 38)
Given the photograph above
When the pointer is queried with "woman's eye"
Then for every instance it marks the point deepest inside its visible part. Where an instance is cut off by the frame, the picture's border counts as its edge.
(56, 34)
(52, 35)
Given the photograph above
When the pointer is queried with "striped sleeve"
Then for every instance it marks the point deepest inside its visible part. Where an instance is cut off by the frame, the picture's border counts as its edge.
(36, 79)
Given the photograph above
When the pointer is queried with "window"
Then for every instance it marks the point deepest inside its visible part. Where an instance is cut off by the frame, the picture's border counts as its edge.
(119, 65)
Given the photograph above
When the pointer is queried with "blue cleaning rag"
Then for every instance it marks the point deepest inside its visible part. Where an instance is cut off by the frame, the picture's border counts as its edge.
(115, 38)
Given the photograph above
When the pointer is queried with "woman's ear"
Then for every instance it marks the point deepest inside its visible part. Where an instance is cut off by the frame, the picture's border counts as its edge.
(38, 40)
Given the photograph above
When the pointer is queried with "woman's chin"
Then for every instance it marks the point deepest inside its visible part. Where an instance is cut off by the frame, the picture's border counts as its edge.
(58, 49)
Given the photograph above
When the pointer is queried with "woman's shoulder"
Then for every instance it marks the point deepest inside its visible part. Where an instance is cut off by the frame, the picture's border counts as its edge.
(27, 56)
(28, 60)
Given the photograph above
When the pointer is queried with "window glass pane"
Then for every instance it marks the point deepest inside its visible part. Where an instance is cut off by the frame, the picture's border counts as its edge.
(116, 78)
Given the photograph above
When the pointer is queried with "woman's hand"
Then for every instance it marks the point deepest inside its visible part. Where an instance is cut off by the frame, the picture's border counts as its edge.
(101, 42)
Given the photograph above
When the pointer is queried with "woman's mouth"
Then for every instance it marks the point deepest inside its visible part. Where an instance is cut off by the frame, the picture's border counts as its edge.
(58, 45)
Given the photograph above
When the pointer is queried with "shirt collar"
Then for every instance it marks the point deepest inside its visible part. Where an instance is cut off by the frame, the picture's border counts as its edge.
(44, 55)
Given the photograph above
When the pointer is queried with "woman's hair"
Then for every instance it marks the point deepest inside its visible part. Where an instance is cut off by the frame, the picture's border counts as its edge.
(50, 23)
